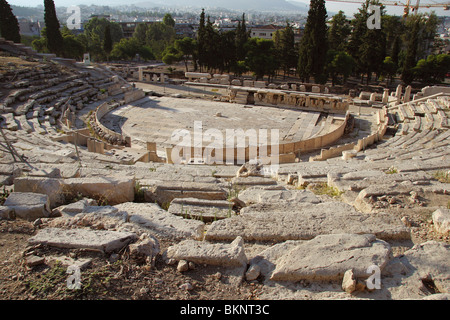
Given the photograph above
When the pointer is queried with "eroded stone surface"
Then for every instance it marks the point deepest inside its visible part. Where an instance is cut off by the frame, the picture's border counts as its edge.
(328, 257)
(288, 221)
(208, 253)
(29, 206)
(160, 222)
(102, 240)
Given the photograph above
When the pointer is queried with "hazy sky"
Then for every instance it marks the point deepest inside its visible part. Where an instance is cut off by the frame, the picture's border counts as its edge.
(348, 8)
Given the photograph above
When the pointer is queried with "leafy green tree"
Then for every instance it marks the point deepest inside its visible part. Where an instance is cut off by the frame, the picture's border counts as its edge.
(261, 58)
(127, 49)
(433, 69)
(140, 33)
(55, 42)
(171, 55)
(339, 63)
(40, 44)
(168, 20)
(73, 47)
(284, 41)
(313, 46)
(186, 47)
(9, 26)
(97, 26)
(159, 36)
(389, 68)
(181, 50)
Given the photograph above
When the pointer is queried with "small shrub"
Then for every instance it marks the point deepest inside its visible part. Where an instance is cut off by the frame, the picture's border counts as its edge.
(323, 188)
(391, 170)
(442, 176)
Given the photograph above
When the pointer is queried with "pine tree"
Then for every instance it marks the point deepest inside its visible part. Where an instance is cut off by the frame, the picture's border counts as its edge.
(9, 26)
(54, 38)
(339, 32)
(313, 46)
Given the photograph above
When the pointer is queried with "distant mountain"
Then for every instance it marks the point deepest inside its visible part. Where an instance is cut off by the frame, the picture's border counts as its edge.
(238, 5)
(27, 12)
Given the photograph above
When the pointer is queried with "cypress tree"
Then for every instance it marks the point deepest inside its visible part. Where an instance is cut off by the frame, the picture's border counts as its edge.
(211, 49)
(313, 46)
(241, 39)
(54, 37)
(372, 51)
(288, 55)
(107, 42)
(9, 26)
(411, 53)
(201, 40)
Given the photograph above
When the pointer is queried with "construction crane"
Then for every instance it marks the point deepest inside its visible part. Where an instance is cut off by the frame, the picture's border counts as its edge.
(408, 6)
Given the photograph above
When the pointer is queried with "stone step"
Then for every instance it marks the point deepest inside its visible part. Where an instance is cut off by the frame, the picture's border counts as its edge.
(165, 192)
(253, 181)
(278, 222)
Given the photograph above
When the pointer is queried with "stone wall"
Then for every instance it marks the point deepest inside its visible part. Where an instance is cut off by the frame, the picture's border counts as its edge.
(133, 95)
(296, 100)
(105, 133)
(361, 144)
(284, 152)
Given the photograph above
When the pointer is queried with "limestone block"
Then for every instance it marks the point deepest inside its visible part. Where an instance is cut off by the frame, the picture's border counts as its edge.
(6, 213)
(248, 83)
(161, 223)
(429, 260)
(260, 84)
(315, 89)
(256, 195)
(200, 252)
(52, 187)
(281, 221)
(349, 281)
(109, 190)
(328, 257)
(441, 220)
(103, 240)
(29, 206)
